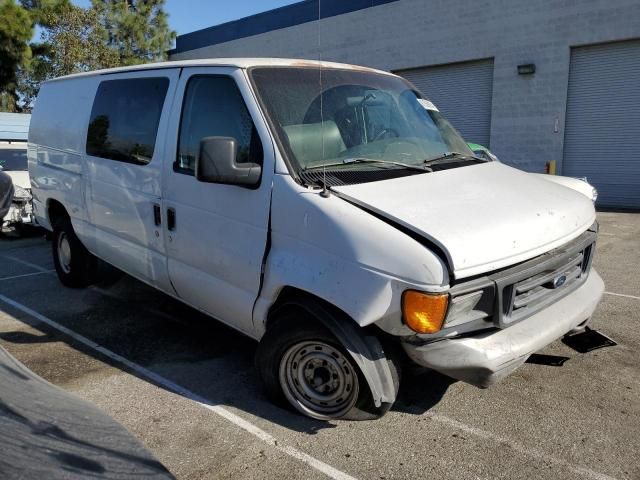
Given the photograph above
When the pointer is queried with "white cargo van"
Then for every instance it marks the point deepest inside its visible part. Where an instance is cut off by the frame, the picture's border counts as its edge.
(328, 211)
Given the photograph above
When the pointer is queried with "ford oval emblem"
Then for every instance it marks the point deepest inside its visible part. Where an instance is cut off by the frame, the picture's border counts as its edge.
(559, 281)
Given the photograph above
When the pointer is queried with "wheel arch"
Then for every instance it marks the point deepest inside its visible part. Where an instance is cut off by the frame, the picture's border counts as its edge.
(56, 211)
(362, 343)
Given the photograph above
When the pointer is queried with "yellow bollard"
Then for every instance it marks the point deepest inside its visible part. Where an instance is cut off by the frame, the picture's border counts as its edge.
(551, 167)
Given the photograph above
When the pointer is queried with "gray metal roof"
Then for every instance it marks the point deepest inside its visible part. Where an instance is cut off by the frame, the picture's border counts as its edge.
(14, 126)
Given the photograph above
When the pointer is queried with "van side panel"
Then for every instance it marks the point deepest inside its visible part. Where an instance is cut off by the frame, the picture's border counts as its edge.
(56, 144)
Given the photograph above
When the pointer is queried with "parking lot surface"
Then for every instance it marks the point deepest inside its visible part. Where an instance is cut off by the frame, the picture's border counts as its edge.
(185, 386)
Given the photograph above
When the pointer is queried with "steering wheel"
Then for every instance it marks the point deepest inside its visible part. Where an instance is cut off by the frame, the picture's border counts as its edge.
(385, 132)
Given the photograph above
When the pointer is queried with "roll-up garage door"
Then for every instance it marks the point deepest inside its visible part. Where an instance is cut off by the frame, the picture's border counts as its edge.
(602, 133)
(462, 92)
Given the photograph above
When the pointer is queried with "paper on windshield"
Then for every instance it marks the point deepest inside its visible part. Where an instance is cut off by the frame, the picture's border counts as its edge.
(428, 105)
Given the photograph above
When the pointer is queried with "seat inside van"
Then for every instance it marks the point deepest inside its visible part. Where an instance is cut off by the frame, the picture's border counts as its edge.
(306, 141)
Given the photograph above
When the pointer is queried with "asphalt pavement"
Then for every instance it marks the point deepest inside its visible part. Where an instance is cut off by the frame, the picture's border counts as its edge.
(185, 386)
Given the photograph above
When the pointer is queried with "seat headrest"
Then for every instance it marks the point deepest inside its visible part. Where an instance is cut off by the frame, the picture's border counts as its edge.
(306, 141)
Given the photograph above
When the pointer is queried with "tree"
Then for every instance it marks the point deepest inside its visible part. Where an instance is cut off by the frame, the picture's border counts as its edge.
(72, 41)
(16, 30)
(137, 29)
(41, 9)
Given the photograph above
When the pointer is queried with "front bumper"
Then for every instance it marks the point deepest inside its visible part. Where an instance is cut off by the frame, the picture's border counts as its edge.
(486, 358)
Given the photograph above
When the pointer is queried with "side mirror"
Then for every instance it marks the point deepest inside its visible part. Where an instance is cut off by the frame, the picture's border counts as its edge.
(216, 163)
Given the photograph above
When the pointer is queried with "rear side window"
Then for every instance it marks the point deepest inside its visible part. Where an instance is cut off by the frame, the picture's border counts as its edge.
(124, 119)
(213, 107)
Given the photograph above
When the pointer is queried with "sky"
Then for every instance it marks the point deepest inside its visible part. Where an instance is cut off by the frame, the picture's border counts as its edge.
(189, 15)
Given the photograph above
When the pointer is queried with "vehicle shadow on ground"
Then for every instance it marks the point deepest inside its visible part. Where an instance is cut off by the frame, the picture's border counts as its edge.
(21, 233)
(421, 390)
(191, 350)
(25, 338)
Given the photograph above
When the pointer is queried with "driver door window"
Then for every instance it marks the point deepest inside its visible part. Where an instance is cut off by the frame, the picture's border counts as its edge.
(213, 107)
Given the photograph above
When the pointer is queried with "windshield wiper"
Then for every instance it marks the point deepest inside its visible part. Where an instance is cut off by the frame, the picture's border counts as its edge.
(451, 156)
(347, 161)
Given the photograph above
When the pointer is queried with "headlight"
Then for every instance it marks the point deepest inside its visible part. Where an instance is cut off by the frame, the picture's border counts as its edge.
(21, 193)
(594, 194)
(424, 312)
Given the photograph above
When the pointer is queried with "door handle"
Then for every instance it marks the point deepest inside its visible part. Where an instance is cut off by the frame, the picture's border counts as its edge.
(171, 219)
(157, 218)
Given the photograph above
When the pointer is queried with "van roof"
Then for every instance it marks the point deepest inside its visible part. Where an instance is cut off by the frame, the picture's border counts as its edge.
(224, 62)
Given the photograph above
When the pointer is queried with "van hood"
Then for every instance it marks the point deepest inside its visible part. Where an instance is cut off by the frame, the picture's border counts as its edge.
(578, 184)
(483, 217)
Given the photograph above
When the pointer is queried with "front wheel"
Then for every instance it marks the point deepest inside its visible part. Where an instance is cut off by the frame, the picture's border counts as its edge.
(318, 379)
(304, 366)
(75, 266)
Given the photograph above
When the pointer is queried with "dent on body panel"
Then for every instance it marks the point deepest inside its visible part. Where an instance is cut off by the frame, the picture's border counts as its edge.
(124, 213)
(120, 209)
(364, 295)
(344, 255)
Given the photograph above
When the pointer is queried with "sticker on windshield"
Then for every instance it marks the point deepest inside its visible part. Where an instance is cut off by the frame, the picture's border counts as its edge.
(427, 104)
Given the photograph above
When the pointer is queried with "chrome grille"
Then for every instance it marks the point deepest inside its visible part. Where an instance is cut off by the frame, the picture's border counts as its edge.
(512, 294)
(527, 296)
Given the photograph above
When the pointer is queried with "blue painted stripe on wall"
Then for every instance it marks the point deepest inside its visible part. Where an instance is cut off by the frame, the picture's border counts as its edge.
(282, 17)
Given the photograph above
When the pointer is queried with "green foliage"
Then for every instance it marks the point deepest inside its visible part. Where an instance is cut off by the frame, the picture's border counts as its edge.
(40, 10)
(110, 33)
(73, 41)
(16, 30)
(138, 29)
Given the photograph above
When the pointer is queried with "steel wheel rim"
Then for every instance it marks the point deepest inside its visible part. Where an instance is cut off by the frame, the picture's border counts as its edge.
(64, 252)
(318, 379)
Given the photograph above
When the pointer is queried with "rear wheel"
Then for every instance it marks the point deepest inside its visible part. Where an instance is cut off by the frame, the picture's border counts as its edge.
(75, 266)
(304, 366)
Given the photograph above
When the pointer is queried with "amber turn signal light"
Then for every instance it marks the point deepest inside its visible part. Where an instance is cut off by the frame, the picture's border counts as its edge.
(424, 312)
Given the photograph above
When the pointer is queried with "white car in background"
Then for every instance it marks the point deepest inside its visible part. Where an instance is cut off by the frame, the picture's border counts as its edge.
(578, 184)
(13, 162)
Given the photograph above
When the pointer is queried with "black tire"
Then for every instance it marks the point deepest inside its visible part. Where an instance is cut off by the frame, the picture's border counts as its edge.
(288, 332)
(76, 267)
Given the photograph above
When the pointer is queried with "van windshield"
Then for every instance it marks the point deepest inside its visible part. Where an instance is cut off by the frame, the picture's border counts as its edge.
(343, 118)
(13, 159)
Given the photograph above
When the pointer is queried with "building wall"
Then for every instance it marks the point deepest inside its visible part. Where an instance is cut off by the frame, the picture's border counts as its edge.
(528, 112)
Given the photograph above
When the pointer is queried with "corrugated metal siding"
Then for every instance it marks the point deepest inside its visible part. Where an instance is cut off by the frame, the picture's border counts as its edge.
(462, 92)
(14, 126)
(602, 134)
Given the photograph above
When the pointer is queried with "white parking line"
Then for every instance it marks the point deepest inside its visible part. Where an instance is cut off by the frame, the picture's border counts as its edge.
(584, 472)
(25, 275)
(266, 437)
(245, 425)
(622, 295)
(28, 264)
